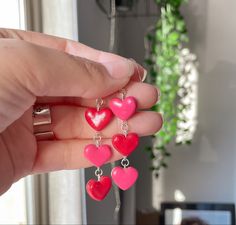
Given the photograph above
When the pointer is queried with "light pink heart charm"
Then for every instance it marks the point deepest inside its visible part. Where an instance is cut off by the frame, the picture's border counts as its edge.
(123, 109)
(124, 178)
(97, 155)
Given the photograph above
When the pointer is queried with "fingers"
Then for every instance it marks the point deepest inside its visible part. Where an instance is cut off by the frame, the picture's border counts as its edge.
(68, 122)
(64, 155)
(145, 94)
(68, 154)
(71, 47)
(29, 70)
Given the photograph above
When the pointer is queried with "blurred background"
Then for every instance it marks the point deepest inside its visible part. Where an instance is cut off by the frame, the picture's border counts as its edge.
(187, 172)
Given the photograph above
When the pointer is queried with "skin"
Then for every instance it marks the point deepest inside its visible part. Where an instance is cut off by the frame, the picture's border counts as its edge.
(69, 76)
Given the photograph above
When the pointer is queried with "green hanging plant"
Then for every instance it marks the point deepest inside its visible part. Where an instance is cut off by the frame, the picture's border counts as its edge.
(165, 42)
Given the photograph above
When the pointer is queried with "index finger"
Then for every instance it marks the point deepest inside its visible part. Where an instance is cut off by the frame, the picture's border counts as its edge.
(71, 47)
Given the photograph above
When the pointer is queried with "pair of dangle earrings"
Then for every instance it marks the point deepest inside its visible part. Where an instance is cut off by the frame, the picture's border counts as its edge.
(125, 143)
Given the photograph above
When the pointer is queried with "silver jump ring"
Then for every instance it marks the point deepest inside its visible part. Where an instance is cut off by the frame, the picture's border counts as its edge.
(98, 172)
(123, 93)
(125, 162)
(97, 139)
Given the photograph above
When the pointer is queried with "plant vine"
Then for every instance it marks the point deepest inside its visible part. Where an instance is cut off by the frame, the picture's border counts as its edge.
(165, 42)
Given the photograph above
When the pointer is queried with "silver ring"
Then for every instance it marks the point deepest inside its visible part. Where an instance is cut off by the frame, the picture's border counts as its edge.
(42, 117)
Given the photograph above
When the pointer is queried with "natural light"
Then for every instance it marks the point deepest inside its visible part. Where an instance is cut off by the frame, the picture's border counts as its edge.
(13, 203)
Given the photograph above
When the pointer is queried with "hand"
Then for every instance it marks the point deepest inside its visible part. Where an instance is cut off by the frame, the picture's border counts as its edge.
(37, 68)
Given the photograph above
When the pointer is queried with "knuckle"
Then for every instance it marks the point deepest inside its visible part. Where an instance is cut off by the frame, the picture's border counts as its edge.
(95, 74)
(94, 69)
(25, 56)
(36, 79)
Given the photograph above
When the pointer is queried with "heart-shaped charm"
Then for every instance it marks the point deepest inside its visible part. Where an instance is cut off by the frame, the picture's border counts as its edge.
(98, 190)
(123, 109)
(98, 119)
(97, 155)
(125, 144)
(124, 178)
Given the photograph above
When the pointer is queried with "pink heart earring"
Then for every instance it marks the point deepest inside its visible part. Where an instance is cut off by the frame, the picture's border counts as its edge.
(124, 177)
(123, 108)
(98, 153)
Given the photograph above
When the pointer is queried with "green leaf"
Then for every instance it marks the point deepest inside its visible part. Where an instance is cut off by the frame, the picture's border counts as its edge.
(180, 25)
(154, 108)
(188, 142)
(163, 164)
(167, 138)
(152, 168)
(173, 38)
(150, 37)
(148, 61)
(161, 147)
(162, 133)
(159, 35)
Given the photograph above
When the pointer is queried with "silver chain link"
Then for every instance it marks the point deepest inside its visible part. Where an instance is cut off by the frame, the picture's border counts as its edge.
(125, 130)
(97, 139)
(124, 162)
(98, 173)
(123, 93)
(124, 127)
(99, 103)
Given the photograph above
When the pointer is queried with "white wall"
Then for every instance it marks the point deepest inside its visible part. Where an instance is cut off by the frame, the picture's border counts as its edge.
(205, 171)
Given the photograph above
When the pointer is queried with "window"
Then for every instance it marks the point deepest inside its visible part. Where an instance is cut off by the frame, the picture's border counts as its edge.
(43, 199)
(13, 203)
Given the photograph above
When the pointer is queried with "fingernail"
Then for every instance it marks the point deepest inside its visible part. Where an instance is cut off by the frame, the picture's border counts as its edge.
(144, 75)
(138, 67)
(120, 69)
(162, 119)
(158, 95)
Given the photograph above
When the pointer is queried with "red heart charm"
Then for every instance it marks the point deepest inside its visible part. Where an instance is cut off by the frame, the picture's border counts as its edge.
(98, 119)
(123, 109)
(97, 155)
(125, 144)
(98, 190)
(124, 178)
